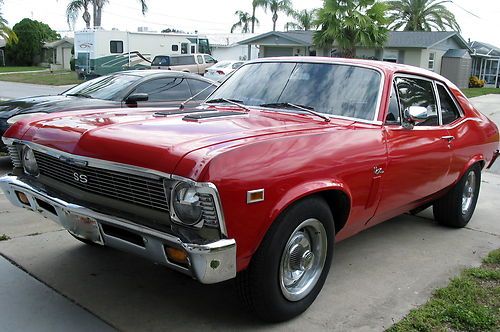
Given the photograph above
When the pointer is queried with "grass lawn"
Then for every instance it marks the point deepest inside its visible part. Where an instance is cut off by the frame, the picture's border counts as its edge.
(62, 77)
(471, 302)
(476, 92)
(19, 69)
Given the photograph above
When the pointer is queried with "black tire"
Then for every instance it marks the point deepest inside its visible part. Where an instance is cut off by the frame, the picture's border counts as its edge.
(450, 209)
(260, 286)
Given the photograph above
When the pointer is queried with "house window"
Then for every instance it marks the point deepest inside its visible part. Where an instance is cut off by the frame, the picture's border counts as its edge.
(116, 46)
(430, 65)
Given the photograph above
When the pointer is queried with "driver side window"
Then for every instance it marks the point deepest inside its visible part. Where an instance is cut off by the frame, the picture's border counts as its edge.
(418, 92)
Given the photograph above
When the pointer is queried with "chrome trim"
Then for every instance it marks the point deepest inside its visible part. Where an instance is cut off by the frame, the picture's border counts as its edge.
(208, 263)
(212, 190)
(125, 168)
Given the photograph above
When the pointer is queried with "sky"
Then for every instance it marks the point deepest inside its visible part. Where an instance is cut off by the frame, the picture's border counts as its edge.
(479, 19)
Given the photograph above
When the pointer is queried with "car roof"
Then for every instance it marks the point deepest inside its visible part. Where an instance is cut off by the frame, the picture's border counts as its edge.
(386, 67)
(144, 73)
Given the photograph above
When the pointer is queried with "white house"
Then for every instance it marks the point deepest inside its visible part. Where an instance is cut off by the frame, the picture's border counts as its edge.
(225, 46)
(58, 53)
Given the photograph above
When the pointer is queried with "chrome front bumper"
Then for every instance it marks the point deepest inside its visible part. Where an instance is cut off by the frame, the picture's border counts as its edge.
(208, 263)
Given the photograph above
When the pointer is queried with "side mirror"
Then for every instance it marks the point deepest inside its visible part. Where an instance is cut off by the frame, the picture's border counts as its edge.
(415, 114)
(135, 97)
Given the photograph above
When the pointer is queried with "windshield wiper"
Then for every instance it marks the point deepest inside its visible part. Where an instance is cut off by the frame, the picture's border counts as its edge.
(79, 95)
(307, 109)
(229, 101)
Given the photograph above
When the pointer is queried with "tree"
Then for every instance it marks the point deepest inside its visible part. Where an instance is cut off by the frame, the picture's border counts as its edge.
(244, 20)
(277, 6)
(76, 6)
(32, 34)
(5, 32)
(421, 15)
(304, 20)
(73, 10)
(255, 4)
(351, 23)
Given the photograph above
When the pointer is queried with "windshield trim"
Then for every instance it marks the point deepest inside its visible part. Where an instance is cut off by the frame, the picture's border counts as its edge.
(375, 119)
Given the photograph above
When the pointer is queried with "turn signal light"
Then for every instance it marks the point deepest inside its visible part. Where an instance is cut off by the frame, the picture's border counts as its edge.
(23, 198)
(176, 255)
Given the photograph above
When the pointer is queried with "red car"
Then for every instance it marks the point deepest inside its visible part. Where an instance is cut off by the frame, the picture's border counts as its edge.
(285, 158)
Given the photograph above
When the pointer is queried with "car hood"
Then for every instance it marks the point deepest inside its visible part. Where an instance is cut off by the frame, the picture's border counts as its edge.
(49, 104)
(147, 139)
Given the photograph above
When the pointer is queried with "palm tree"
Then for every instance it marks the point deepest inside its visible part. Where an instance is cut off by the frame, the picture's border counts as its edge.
(75, 6)
(421, 15)
(244, 20)
(351, 23)
(6, 32)
(277, 6)
(255, 4)
(304, 20)
(73, 10)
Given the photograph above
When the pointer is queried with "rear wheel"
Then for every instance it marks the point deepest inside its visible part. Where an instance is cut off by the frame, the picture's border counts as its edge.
(290, 267)
(455, 209)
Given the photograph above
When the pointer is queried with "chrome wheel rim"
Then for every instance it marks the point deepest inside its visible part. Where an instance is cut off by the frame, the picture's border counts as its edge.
(469, 192)
(303, 259)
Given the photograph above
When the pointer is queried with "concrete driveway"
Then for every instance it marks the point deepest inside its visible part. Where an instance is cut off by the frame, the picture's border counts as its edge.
(376, 278)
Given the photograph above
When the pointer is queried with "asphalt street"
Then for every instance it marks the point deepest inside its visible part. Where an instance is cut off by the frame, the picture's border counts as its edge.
(11, 90)
(376, 278)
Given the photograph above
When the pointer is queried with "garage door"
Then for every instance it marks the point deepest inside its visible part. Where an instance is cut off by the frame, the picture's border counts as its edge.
(277, 51)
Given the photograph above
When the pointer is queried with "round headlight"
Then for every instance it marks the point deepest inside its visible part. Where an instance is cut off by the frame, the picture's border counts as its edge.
(29, 162)
(186, 204)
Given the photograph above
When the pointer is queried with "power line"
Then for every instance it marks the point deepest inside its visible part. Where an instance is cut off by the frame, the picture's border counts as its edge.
(465, 10)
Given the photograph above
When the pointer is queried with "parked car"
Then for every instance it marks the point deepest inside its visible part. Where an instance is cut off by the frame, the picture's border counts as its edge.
(221, 69)
(135, 88)
(285, 158)
(189, 63)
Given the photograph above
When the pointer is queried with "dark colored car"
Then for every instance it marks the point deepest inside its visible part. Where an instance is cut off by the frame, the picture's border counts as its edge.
(135, 88)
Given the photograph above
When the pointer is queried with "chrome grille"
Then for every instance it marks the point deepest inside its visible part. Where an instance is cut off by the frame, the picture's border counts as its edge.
(209, 213)
(133, 189)
(15, 155)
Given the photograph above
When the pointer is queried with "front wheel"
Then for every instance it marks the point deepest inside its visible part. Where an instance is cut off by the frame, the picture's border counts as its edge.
(290, 267)
(455, 209)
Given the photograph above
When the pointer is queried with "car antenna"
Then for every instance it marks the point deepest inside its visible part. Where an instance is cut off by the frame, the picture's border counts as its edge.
(181, 106)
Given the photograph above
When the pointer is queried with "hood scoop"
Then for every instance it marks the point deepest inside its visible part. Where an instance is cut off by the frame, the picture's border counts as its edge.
(196, 117)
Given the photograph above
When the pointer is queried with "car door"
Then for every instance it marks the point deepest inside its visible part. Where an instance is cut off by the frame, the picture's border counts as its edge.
(452, 119)
(419, 156)
(169, 91)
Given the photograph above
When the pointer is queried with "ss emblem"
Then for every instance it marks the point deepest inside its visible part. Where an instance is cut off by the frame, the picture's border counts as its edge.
(82, 178)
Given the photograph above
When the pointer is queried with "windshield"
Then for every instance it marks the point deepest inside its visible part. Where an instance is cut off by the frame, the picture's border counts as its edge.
(334, 89)
(104, 87)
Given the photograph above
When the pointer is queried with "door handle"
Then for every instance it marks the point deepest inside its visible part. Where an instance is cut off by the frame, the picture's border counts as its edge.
(448, 138)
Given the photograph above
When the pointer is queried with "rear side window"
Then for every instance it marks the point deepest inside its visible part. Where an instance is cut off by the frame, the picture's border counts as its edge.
(116, 46)
(175, 48)
(165, 89)
(197, 86)
(449, 110)
(200, 59)
(418, 92)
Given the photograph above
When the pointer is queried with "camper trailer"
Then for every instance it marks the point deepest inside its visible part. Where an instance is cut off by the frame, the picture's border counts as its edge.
(100, 52)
